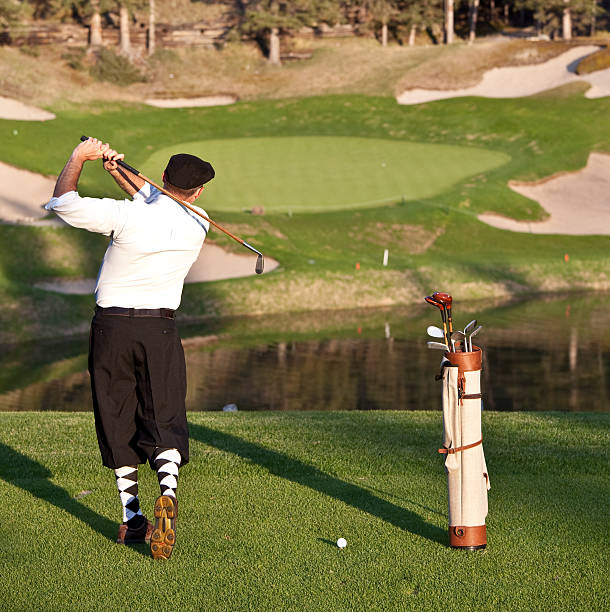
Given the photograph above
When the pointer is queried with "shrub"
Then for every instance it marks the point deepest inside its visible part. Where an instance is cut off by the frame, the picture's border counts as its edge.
(600, 60)
(114, 68)
(74, 58)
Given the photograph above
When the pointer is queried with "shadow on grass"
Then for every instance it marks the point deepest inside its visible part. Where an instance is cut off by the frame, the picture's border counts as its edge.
(298, 472)
(34, 478)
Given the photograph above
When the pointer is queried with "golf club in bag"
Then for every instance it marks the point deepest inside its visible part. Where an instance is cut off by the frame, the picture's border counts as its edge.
(467, 476)
(260, 261)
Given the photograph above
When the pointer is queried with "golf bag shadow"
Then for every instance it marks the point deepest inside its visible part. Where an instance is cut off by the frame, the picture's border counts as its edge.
(467, 477)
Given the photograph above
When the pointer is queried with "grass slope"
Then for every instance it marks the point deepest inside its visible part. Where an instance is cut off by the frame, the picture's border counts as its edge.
(265, 497)
(434, 242)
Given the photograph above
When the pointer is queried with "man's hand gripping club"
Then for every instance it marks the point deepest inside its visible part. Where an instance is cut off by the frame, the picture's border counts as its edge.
(90, 149)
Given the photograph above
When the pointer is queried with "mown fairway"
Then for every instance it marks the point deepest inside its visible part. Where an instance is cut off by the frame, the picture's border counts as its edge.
(266, 496)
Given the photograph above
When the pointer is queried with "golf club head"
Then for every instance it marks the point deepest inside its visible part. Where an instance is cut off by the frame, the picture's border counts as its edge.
(436, 304)
(470, 326)
(438, 345)
(474, 333)
(260, 264)
(435, 332)
(462, 334)
(443, 298)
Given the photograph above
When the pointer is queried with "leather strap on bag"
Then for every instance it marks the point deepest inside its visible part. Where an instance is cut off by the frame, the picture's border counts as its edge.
(459, 449)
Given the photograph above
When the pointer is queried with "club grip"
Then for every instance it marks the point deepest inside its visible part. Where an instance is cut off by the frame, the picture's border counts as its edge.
(119, 161)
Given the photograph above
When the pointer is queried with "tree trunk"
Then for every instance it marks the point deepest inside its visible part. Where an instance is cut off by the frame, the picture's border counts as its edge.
(384, 34)
(567, 22)
(449, 33)
(593, 17)
(125, 41)
(412, 35)
(151, 27)
(274, 47)
(474, 13)
(95, 31)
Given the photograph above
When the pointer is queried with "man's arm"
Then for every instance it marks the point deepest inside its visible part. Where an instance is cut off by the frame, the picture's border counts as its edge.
(88, 150)
(127, 181)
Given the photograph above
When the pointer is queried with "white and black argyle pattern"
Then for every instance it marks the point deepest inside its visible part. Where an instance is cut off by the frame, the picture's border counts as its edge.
(166, 465)
(127, 483)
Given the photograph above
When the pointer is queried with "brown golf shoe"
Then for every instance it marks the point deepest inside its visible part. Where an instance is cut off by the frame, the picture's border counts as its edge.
(163, 536)
(142, 534)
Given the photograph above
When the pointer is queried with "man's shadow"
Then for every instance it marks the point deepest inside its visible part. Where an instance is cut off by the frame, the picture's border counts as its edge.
(29, 475)
(298, 472)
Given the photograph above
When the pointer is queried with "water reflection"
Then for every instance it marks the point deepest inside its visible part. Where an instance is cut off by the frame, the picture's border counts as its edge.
(542, 355)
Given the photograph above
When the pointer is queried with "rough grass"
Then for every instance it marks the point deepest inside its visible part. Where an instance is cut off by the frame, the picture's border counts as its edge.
(266, 496)
(600, 60)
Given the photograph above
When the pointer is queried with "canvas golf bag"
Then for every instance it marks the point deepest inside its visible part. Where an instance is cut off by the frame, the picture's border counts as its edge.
(467, 478)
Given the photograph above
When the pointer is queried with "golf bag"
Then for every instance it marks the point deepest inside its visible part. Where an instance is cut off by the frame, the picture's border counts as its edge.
(467, 478)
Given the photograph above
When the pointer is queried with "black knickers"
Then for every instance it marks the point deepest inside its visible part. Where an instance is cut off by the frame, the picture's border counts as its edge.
(138, 381)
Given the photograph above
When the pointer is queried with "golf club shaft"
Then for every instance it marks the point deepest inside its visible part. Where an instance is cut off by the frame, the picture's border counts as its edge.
(137, 173)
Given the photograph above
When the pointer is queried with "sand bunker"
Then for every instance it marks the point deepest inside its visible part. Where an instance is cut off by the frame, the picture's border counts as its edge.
(520, 81)
(213, 264)
(13, 109)
(578, 202)
(23, 194)
(191, 102)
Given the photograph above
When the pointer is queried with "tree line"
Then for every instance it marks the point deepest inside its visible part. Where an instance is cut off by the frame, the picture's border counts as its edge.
(269, 21)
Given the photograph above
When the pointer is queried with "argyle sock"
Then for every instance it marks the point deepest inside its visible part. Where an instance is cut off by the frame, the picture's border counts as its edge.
(166, 464)
(127, 484)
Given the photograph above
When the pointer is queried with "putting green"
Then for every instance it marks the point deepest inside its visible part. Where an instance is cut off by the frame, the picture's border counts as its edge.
(326, 173)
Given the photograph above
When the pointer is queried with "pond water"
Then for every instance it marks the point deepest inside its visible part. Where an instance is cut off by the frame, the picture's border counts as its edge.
(551, 354)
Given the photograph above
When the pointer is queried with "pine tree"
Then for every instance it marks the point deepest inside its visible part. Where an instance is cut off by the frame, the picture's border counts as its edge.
(268, 19)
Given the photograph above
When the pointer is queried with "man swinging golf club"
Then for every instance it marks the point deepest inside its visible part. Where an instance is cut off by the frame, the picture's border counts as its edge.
(136, 360)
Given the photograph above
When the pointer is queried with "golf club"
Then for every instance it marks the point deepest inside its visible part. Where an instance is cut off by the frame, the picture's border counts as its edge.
(435, 332)
(446, 300)
(438, 345)
(260, 261)
(458, 332)
(467, 330)
(441, 307)
(474, 333)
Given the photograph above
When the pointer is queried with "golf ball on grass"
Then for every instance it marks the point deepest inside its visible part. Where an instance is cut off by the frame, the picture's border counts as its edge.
(341, 542)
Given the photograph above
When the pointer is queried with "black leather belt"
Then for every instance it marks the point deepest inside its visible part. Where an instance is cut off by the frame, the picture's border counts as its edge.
(166, 313)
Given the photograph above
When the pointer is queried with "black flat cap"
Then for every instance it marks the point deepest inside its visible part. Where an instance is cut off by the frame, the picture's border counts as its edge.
(188, 171)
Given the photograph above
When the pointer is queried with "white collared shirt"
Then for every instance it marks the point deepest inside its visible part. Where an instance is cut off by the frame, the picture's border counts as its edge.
(154, 241)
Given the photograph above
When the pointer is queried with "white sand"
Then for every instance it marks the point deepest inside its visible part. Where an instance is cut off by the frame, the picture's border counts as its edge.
(191, 102)
(13, 109)
(23, 194)
(520, 81)
(578, 202)
(213, 263)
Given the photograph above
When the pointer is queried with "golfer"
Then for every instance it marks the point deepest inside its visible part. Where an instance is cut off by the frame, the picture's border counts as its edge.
(136, 361)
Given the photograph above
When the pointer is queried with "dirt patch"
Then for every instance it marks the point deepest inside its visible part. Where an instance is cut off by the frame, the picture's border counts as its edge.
(413, 239)
(577, 202)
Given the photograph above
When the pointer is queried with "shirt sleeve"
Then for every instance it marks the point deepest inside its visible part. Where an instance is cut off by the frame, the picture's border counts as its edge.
(100, 215)
(144, 193)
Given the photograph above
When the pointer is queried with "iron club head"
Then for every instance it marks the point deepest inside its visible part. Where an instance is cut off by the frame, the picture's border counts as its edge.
(260, 264)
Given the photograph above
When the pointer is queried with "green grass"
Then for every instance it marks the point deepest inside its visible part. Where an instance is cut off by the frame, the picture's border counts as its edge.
(322, 173)
(265, 497)
(435, 242)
